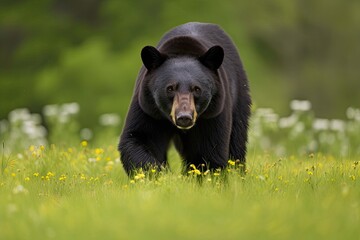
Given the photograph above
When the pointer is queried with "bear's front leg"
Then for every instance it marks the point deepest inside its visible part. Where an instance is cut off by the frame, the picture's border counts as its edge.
(144, 142)
(207, 143)
(137, 154)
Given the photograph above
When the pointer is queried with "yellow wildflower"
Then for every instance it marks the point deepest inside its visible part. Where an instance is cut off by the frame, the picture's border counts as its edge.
(99, 151)
(62, 177)
(139, 176)
(32, 148)
(42, 147)
(355, 164)
(36, 174)
(84, 143)
(27, 179)
(231, 163)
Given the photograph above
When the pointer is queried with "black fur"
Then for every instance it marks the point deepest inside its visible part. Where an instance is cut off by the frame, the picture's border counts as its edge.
(191, 56)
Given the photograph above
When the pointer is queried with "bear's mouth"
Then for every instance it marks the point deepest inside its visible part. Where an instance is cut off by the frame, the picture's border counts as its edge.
(183, 112)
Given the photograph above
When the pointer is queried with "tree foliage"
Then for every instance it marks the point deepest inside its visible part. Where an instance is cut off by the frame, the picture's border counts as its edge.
(54, 51)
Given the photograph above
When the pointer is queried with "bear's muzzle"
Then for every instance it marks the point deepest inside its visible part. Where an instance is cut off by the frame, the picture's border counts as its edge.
(183, 112)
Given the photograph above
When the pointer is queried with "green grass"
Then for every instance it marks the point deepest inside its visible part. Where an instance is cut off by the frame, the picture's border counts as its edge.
(83, 193)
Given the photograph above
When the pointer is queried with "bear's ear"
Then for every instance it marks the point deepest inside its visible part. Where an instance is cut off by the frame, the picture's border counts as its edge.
(151, 57)
(213, 58)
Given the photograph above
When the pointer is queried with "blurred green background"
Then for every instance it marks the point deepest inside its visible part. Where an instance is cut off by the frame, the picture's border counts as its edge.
(88, 51)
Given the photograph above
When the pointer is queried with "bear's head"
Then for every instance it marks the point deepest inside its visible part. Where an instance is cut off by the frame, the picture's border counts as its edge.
(181, 88)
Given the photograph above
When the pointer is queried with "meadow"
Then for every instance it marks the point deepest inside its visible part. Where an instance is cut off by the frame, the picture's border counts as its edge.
(301, 182)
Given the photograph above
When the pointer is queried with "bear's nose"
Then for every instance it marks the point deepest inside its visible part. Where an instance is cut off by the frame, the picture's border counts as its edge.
(184, 120)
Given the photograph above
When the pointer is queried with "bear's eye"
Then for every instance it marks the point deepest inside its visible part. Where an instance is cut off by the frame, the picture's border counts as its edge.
(197, 89)
(169, 89)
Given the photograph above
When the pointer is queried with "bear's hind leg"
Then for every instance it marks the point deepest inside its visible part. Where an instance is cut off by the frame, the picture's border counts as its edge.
(238, 141)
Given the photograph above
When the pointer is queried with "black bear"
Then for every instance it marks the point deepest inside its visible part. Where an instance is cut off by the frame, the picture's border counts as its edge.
(192, 89)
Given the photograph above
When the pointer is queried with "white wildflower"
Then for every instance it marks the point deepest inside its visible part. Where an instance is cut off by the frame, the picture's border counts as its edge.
(109, 119)
(337, 125)
(20, 189)
(71, 108)
(321, 124)
(288, 122)
(51, 110)
(19, 115)
(86, 134)
(299, 127)
(300, 105)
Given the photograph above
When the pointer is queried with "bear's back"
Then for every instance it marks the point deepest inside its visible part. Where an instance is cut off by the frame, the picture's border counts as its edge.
(209, 34)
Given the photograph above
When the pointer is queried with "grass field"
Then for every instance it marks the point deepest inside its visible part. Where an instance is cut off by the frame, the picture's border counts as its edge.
(76, 189)
(82, 192)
